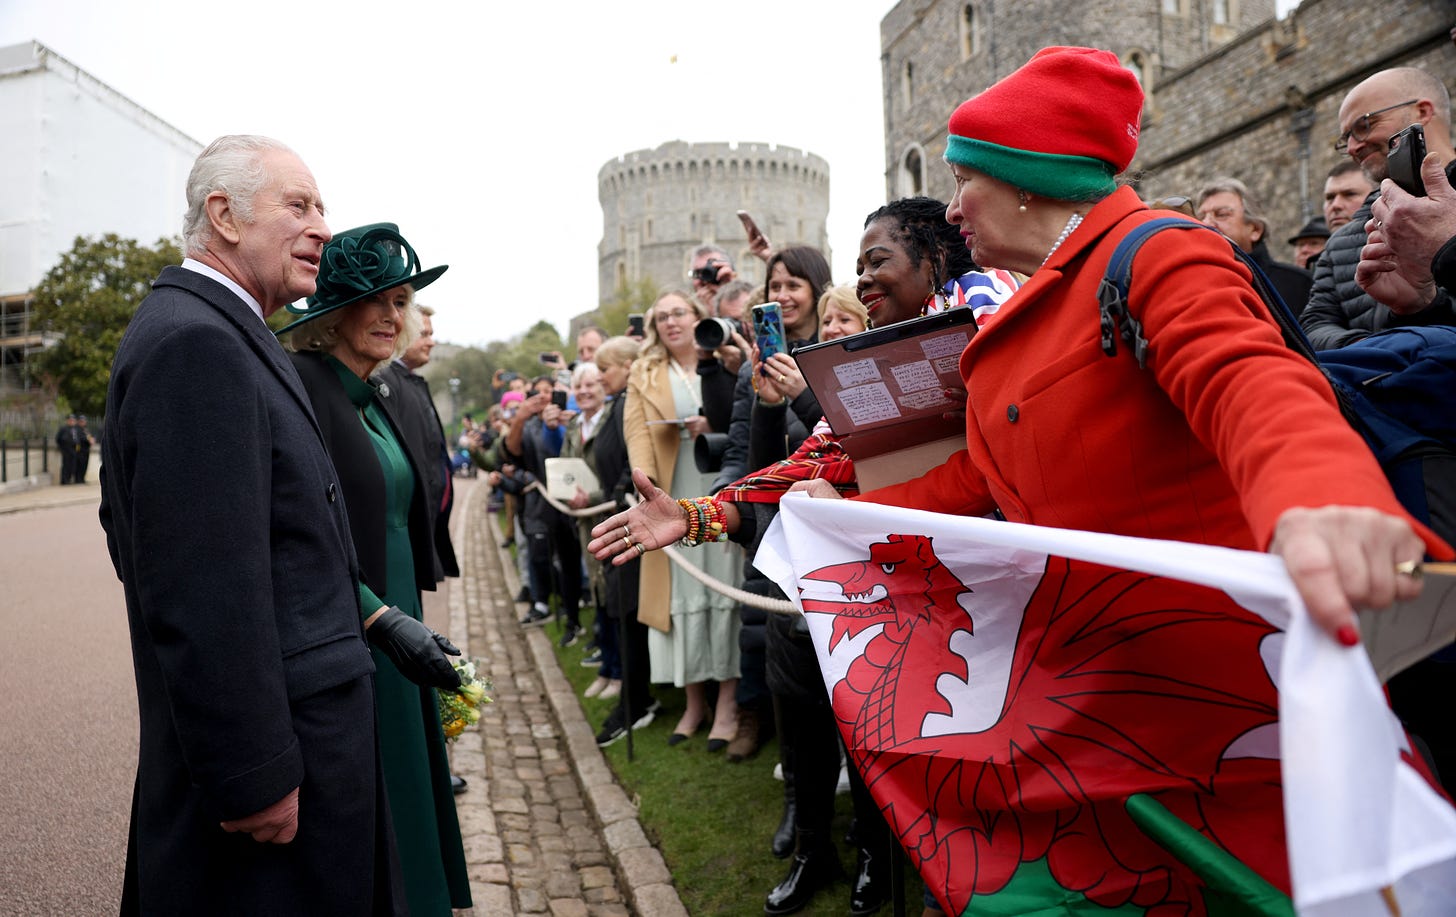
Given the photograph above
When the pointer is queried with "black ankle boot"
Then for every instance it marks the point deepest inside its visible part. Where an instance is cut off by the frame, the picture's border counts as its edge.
(813, 866)
(783, 838)
(871, 887)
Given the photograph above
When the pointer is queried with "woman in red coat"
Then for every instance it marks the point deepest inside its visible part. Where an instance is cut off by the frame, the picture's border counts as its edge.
(1227, 437)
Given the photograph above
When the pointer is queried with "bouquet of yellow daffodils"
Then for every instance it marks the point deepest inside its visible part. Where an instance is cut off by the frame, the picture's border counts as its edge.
(461, 706)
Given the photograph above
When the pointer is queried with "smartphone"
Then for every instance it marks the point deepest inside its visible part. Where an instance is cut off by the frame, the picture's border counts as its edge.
(1403, 161)
(635, 328)
(558, 398)
(768, 328)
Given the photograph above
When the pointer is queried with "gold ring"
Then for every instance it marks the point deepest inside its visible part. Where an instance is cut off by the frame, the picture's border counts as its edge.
(783, 378)
(640, 549)
(626, 542)
(626, 530)
(1411, 568)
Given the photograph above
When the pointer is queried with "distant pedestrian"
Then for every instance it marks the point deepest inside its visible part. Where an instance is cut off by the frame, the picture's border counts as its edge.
(67, 444)
(84, 442)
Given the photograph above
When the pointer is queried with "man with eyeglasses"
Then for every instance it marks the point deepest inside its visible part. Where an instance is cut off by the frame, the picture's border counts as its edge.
(1227, 205)
(1339, 311)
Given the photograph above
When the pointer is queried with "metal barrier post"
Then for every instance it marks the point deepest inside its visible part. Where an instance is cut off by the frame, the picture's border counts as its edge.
(4, 462)
(25, 457)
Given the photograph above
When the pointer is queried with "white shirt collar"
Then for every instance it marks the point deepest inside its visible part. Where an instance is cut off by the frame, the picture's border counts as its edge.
(206, 270)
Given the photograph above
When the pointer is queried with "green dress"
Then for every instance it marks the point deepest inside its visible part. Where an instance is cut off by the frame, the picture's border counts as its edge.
(412, 746)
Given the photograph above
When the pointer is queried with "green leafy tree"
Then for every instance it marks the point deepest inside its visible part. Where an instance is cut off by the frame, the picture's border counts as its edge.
(626, 299)
(83, 305)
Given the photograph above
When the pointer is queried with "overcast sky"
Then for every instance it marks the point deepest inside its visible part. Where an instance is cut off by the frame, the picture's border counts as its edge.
(479, 127)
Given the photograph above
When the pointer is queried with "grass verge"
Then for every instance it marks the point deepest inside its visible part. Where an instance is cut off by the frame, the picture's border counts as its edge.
(712, 819)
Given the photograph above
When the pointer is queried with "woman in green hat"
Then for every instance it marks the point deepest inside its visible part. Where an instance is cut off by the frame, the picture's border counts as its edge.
(360, 318)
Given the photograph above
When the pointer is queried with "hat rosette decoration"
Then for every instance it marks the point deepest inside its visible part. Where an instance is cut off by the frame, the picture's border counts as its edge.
(358, 263)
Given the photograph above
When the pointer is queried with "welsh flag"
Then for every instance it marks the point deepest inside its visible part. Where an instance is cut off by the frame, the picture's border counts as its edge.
(1058, 722)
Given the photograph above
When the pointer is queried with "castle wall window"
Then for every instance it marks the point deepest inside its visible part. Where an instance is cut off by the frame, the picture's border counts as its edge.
(970, 31)
(1137, 63)
(907, 77)
(912, 172)
(1222, 12)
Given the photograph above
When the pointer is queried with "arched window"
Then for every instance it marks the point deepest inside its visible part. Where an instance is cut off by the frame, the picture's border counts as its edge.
(970, 31)
(1138, 64)
(911, 179)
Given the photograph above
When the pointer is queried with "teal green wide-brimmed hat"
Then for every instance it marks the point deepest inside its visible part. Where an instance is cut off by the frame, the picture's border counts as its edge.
(356, 264)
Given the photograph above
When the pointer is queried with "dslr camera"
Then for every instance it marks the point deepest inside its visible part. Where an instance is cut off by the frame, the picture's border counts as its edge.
(712, 333)
(708, 273)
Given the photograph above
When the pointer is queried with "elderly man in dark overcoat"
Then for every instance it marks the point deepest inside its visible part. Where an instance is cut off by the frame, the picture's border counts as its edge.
(257, 788)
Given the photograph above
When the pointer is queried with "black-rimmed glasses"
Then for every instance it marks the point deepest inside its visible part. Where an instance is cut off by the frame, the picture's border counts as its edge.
(1361, 128)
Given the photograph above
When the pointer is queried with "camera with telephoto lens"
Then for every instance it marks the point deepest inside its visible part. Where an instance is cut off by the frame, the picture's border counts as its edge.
(708, 452)
(712, 333)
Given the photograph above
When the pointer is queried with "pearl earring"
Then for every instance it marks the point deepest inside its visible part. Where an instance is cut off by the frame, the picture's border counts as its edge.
(1021, 196)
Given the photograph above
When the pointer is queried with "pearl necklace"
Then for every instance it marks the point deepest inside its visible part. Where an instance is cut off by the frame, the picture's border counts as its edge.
(1073, 222)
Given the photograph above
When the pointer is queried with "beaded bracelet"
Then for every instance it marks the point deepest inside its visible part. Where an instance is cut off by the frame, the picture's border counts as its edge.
(706, 521)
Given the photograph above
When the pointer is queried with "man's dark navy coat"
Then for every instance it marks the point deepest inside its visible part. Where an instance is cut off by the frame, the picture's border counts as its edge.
(225, 524)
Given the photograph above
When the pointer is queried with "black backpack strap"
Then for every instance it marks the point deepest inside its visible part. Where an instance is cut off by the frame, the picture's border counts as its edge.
(1117, 321)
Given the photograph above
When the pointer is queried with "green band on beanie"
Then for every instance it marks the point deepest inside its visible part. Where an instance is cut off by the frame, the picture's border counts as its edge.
(1053, 175)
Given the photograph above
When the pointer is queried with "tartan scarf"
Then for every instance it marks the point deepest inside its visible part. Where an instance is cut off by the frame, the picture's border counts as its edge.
(819, 456)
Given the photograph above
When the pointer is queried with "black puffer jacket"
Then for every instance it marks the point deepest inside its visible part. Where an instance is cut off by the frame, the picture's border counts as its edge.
(1443, 267)
(1339, 312)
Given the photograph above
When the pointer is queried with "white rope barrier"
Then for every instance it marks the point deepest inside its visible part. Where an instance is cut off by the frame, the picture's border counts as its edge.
(752, 600)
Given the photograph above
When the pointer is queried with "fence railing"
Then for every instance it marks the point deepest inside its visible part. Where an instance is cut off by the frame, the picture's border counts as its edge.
(21, 458)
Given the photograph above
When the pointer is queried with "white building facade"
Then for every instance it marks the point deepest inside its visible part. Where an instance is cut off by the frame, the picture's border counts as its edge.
(77, 158)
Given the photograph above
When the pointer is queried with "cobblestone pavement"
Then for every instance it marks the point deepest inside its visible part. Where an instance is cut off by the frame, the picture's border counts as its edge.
(547, 828)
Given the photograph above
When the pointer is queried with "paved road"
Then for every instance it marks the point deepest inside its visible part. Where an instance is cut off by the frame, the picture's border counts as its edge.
(68, 730)
(547, 829)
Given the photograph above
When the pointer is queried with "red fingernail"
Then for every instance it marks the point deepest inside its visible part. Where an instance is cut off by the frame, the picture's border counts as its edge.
(1348, 635)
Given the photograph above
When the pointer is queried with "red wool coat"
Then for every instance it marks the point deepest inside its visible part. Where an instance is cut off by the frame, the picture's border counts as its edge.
(1224, 430)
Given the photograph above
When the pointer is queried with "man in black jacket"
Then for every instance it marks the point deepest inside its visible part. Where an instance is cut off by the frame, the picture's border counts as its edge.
(257, 788)
(421, 425)
(1227, 205)
(68, 444)
(1340, 311)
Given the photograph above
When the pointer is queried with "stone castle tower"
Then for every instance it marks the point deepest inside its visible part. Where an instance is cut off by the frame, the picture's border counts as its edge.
(658, 205)
(1230, 89)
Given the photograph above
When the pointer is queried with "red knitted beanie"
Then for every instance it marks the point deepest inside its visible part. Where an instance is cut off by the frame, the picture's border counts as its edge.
(1062, 126)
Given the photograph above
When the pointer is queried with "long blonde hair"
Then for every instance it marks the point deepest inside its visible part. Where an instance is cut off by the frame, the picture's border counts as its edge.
(653, 350)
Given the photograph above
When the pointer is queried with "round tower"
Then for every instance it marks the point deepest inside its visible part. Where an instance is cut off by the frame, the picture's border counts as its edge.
(660, 204)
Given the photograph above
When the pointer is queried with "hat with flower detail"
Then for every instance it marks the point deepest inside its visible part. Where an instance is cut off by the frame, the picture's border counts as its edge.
(356, 264)
(1061, 126)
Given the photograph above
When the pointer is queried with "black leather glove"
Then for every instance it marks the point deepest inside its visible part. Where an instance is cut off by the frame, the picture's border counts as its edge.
(417, 651)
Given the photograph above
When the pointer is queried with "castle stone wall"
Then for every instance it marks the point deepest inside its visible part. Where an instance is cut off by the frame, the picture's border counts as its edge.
(1258, 101)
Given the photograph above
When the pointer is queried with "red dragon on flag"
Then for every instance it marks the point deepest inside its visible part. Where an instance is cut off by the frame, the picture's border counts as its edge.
(1002, 744)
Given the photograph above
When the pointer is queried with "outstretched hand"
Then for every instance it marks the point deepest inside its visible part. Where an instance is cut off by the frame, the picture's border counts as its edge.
(654, 523)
